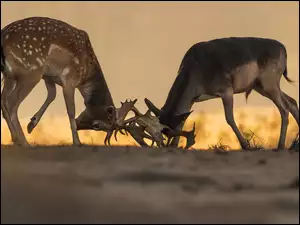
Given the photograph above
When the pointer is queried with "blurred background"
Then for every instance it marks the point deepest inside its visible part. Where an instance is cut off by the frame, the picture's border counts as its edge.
(140, 46)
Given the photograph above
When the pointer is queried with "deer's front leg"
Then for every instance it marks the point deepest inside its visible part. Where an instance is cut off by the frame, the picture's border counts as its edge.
(51, 88)
(69, 96)
(227, 99)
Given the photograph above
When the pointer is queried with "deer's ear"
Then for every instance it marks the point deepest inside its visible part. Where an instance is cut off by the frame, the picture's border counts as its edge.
(178, 119)
(110, 109)
(152, 107)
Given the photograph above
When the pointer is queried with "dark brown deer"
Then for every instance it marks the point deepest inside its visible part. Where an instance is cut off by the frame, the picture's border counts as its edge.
(223, 67)
(43, 48)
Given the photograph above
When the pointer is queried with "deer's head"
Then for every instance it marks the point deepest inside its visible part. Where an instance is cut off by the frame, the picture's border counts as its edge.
(169, 119)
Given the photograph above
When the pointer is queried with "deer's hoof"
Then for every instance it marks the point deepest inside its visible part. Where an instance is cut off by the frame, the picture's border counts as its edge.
(31, 125)
(23, 144)
(78, 144)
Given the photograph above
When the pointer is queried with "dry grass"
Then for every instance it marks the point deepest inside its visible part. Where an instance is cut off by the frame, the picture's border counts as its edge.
(219, 147)
(210, 129)
(254, 141)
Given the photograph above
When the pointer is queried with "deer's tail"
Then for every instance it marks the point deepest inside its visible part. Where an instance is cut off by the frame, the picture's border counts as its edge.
(2, 59)
(285, 74)
(2, 64)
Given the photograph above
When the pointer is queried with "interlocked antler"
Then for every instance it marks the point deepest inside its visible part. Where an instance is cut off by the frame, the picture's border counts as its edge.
(116, 117)
(138, 125)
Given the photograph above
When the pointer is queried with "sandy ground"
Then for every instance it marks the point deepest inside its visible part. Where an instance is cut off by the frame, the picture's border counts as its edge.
(135, 185)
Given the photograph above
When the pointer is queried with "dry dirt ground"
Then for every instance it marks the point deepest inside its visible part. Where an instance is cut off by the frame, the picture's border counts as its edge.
(136, 185)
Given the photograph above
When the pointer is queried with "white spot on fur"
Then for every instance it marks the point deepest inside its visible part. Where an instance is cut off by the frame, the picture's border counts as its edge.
(43, 38)
(65, 71)
(19, 59)
(76, 60)
(7, 36)
(18, 46)
(34, 38)
(39, 28)
(27, 36)
(39, 61)
(34, 67)
(30, 52)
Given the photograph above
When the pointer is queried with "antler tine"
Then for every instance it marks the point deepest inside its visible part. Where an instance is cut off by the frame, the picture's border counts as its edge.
(137, 115)
(108, 137)
(189, 135)
(134, 101)
(119, 130)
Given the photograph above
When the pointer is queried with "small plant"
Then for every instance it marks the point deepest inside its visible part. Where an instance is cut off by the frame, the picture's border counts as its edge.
(219, 146)
(251, 138)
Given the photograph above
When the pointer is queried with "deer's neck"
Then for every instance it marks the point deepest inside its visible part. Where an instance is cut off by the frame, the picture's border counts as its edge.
(179, 100)
(95, 92)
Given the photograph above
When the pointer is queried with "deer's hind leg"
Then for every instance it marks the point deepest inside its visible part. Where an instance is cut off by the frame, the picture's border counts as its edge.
(227, 99)
(9, 86)
(24, 86)
(274, 93)
(51, 94)
(292, 105)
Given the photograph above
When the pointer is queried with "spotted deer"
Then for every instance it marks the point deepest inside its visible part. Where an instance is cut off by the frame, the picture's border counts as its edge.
(223, 67)
(43, 48)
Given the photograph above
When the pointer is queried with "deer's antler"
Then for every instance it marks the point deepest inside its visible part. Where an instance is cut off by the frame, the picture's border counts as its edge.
(189, 135)
(138, 125)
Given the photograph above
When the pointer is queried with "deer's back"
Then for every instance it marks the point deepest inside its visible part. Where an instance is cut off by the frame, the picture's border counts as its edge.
(33, 41)
(225, 54)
